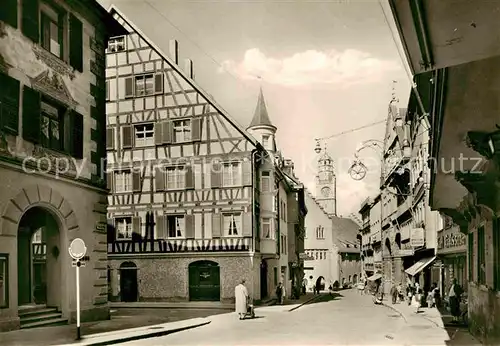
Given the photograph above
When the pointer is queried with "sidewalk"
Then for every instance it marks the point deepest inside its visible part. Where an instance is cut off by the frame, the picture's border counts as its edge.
(431, 318)
(127, 335)
(140, 321)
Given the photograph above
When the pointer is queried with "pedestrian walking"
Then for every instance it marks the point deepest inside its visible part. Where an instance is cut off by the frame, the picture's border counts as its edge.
(279, 294)
(454, 299)
(394, 293)
(417, 298)
(304, 286)
(241, 299)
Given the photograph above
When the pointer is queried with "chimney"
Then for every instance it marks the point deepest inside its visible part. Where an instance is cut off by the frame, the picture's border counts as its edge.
(189, 68)
(174, 51)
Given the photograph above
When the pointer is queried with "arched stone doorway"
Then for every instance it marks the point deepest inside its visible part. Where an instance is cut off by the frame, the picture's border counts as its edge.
(39, 266)
(204, 281)
(129, 290)
(355, 279)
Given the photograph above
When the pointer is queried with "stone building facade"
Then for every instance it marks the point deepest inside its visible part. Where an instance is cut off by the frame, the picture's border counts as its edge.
(51, 148)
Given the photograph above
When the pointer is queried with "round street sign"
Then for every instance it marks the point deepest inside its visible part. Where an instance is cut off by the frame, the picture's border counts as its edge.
(77, 249)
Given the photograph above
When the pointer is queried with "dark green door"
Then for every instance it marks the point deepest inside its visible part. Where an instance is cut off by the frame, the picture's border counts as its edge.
(204, 281)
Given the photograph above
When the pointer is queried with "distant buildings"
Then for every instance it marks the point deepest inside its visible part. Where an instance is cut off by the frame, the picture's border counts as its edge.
(331, 244)
(52, 130)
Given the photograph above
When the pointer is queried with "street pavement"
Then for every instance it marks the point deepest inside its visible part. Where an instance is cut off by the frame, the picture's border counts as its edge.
(350, 319)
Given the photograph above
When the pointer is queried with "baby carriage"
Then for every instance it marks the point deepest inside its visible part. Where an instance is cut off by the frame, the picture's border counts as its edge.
(250, 311)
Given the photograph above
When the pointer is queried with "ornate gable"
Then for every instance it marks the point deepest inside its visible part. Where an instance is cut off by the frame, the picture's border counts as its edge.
(51, 84)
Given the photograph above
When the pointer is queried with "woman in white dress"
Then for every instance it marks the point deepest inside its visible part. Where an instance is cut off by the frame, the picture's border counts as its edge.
(241, 299)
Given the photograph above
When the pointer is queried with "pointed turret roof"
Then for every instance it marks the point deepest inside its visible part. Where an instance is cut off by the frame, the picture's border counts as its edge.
(261, 117)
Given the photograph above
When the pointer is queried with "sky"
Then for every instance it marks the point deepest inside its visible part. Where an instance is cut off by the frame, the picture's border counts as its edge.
(325, 67)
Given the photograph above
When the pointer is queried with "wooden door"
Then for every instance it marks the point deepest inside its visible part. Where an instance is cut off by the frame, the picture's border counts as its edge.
(204, 281)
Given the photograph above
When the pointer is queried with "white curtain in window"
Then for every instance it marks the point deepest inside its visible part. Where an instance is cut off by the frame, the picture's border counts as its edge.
(179, 226)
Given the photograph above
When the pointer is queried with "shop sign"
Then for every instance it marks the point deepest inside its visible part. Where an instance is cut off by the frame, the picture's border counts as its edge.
(451, 240)
(417, 237)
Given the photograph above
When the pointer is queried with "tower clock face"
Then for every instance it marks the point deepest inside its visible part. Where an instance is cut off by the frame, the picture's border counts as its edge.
(326, 192)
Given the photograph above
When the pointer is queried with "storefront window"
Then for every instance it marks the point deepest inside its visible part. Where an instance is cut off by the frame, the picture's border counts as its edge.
(4, 285)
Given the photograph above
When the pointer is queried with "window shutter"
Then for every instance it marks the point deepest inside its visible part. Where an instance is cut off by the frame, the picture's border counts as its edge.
(189, 177)
(167, 132)
(136, 225)
(196, 129)
(159, 83)
(110, 139)
(109, 180)
(129, 87)
(31, 115)
(127, 136)
(189, 224)
(160, 227)
(8, 12)
(136, 181)
(9, 104)
(30, 22)
(246, 220)
(216, 226)
(216, 173)
(247, 173)
(160, 178)
(75, 43)
(77, 135)
(158, 133)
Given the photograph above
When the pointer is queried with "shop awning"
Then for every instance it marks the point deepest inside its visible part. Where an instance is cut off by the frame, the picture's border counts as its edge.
(419, 266)
(374, 277)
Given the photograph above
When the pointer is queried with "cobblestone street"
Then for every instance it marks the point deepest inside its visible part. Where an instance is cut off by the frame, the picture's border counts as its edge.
(350, 319)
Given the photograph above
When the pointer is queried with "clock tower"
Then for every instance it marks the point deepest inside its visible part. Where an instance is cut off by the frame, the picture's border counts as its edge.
(326, 184)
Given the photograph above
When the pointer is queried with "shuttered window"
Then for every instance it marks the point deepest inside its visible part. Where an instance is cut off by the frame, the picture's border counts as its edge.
(30, 21)
(8, 12)
(31, 115)
(175, 226)
(76, 43)
(232, 224)
(76, 128)
(45, 23)
(265, 182)
(9, 104)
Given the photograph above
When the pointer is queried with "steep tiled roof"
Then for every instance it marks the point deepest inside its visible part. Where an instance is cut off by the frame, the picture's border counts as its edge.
(346, 231)
(261, 117)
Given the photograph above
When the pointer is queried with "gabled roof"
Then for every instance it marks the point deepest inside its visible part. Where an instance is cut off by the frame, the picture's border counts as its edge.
(114, 9)
(261, 117)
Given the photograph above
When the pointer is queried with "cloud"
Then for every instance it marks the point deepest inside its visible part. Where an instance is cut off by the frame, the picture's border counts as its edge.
(311, 67)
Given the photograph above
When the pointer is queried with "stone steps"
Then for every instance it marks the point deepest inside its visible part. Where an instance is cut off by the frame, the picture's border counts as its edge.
(40, 316)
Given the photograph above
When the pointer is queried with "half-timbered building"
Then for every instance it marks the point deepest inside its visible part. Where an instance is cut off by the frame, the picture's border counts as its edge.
(194, 204)
(51, 143)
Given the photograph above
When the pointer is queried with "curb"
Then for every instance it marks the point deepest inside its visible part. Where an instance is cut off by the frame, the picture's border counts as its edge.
(396, 310)
(88, 342)
(304, 303)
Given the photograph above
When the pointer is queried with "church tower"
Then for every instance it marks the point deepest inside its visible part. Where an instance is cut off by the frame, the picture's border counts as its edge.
(261, 127)
(326, 184)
